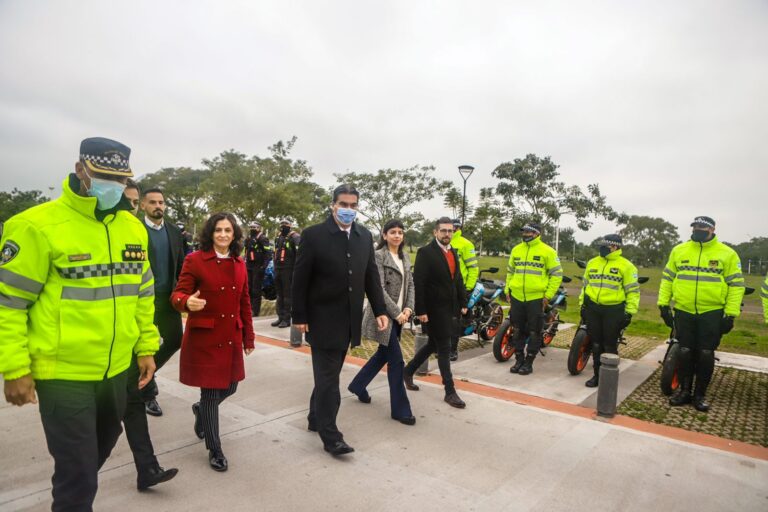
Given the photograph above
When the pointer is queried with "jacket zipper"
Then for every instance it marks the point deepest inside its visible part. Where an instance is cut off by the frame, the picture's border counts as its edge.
(114, 302)
(696, 288)
(525, 267)
(602, 273)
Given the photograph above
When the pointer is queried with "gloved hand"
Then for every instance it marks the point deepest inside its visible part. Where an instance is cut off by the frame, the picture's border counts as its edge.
(627, 320)
(582, 312)
(726, 324)
(666, 315)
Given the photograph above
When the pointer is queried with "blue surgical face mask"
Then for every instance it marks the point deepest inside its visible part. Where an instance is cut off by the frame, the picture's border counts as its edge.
(107, 192)
(346, 216)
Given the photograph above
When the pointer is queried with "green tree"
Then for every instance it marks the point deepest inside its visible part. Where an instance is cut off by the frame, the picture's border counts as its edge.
(16, 201)
(487, 227)
(267, 189)
(530, 189)
(388, 193)
(654, 238)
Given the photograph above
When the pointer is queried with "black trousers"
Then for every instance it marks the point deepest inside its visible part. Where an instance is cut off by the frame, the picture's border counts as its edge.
(210, 399)
(699, 336)
(443, 348)
(81, 420)
(326, 397)
(168, 322)
(255, 277)
(528, 320)
(604, 325)
(283, 281)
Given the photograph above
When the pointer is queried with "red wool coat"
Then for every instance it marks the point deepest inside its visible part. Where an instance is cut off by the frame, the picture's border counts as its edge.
(214, 338)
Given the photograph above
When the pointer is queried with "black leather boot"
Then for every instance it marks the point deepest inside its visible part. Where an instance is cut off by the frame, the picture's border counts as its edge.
(519, 361)
(527, 367)
(595, 380)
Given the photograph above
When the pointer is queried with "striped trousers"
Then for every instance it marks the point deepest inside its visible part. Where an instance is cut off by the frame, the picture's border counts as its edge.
(209, 413)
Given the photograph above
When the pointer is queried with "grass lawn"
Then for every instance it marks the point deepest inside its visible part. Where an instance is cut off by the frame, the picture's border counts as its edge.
(750, 336)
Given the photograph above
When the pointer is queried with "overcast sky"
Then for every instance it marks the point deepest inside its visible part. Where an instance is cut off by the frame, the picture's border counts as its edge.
(664, 104)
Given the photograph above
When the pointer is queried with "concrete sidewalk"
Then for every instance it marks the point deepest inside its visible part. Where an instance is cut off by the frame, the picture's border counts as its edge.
(493, 456)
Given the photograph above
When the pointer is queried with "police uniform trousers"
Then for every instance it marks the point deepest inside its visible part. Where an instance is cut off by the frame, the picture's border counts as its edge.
(255, 278)
(699, 336)
(168, 322)
(528, 321)
(392, 356)
(210, 399)
(604, 324)
(82, 422)
(283, 282)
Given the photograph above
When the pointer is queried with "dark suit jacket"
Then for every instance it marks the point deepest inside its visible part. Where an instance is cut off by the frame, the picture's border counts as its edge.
(331, 275)
(176, 243)
(437, 295)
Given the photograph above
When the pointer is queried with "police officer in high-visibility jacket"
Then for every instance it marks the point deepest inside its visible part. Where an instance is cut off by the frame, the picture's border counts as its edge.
(470, 269)
(534, 274)
(609, 298)
(703, 277)
(764, 298)
(76, 301)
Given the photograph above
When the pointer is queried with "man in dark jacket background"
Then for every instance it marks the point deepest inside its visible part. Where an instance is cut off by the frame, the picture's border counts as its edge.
(335, 268)
(440, 300)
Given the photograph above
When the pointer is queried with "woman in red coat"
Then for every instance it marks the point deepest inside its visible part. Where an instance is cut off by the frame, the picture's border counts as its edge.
(213, 289)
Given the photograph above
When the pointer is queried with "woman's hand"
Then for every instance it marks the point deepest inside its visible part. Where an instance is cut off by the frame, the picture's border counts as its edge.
(248, 351)
(195, 303)
(401, 318)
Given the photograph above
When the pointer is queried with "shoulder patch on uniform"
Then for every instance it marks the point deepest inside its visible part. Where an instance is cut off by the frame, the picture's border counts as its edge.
(634, 275)
(79, 257)
(593, 271)
(685, 261)
(738, 265)
(714, 263)
(9, 251)
(516, 257)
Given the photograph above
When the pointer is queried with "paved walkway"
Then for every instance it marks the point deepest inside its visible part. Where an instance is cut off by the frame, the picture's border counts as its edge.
(496, 455)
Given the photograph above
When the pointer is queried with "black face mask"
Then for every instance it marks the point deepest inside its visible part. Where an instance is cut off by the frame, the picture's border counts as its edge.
(699, 235)
(528, 238)
(605, 251)
(255, 232)
(284, 230)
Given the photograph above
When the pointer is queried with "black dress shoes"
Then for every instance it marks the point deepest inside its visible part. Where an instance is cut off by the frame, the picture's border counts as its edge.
(408, 379)
(218, 460)
(366, 398)
(153, 408)
(311, 427)
(284, 324)
(339, 448)
(406, 420)
(198, 423)
(700, 404)
(453, 400)
(153, 476)
(454, 355)
(275, 323)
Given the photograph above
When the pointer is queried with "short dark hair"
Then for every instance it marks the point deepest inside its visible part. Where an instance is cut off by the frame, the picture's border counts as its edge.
(443, 220)
(132, 184)
(153, 190)
(345, 188)
(206, 234)
(394, 223)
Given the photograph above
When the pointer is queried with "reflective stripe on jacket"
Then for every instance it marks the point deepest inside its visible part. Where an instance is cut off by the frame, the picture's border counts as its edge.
(611, 280)
(76, 293)
(703, 277)
(533, 271)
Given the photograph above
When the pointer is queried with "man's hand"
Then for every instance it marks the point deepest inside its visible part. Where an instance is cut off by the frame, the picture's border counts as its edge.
(194, 302)
(544, 304)
(423, 318)
(726, 325)
(382, 321)
(464, 311)
(302, 328)
(20, 391)
(147, 367)
(666, 315)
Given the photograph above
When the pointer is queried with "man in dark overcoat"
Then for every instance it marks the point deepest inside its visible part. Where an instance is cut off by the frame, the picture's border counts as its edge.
(440, 299)
(335, 268)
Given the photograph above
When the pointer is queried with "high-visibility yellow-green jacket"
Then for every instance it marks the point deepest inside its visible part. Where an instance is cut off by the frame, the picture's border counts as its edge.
(764, 298)
(533, 271)
(611, 280)
(76, 293)
(468, 263)
(703, 277)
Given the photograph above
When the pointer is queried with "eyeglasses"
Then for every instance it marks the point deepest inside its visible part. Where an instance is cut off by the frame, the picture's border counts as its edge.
(446, 231)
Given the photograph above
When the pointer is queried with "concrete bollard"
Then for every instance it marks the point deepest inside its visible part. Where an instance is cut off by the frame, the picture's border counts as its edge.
(420, 340)
(608, 388)
(296, 337)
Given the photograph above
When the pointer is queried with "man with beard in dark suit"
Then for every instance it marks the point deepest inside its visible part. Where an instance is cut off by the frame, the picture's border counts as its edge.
(440, 298)
(335, 268)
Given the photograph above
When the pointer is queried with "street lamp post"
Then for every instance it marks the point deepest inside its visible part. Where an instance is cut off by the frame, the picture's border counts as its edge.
(466, 172)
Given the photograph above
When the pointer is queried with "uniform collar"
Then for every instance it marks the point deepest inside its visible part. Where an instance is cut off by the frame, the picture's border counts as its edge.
(456, 235)
(86, 205)
(614, 255)
(536, 241)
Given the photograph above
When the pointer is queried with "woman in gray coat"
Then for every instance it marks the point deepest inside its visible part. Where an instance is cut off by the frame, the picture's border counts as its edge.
(397, 280)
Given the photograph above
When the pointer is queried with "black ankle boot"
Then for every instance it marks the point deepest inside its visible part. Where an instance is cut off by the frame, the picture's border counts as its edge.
(682, 397)
(593, 382)
(527, 367)
(519, 361)
(700, 403)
